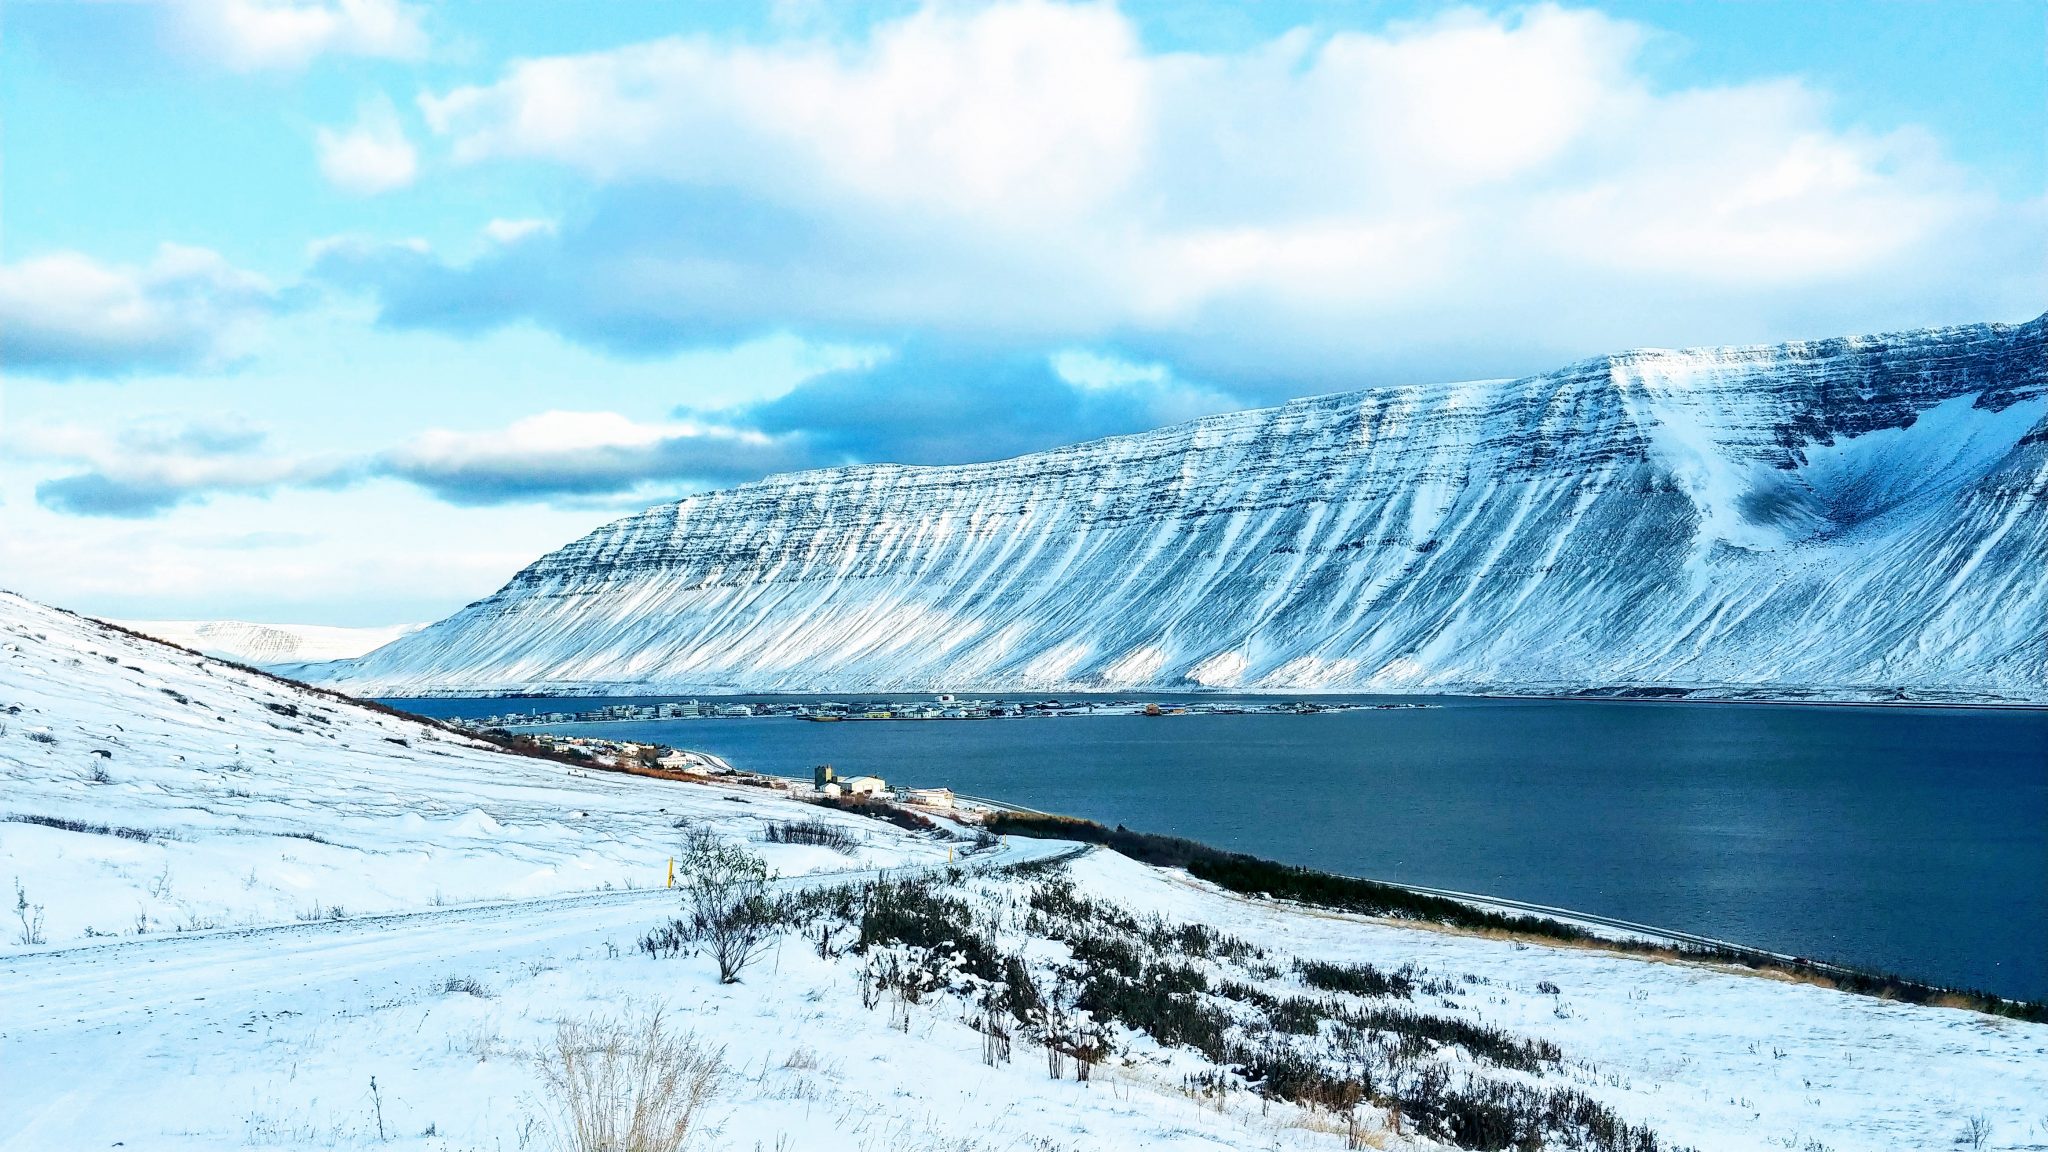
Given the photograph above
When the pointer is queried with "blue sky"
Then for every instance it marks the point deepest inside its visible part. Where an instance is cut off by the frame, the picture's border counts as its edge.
(341, 311)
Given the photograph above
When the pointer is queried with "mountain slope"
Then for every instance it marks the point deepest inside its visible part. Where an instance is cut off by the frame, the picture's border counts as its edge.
(1862, 515)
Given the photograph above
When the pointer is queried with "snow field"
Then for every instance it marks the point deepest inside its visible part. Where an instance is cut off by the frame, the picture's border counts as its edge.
(289, 1063)
(486, 897)
(285, 1027)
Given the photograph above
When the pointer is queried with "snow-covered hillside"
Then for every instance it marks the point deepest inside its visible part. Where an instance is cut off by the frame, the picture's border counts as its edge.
(218, 797)
(265, 645)
(1855, 516)
(348, 930)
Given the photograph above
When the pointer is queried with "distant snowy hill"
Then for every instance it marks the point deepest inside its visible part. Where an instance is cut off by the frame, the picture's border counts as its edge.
(1856, 516)
(266, 645)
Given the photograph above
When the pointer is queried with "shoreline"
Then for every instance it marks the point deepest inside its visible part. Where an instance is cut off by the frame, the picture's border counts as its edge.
(1579, 697)
(1251, 876)
(1772, 702)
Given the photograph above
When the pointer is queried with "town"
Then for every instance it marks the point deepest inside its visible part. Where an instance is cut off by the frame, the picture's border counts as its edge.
(941, 707)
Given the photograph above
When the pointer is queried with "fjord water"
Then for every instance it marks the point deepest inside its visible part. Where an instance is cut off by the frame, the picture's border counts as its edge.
(1909, 839)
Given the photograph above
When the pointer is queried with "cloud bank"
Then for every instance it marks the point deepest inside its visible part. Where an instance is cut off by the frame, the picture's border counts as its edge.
(925, 406)
(1310, 212)
(66, 314)
(148, 468)
(570, 454)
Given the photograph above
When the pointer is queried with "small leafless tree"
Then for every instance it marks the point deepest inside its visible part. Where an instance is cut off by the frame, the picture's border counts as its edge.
(725, 893)
(30, 915)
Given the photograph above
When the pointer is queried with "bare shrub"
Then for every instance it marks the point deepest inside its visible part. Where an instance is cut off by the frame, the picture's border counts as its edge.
(468, 985)
(725, 892)
(818, 832)
(30, 915)
(628, 1084)
(67, 825)
(1356, 979)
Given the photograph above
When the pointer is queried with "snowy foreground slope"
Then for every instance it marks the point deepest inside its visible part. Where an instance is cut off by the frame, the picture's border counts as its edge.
(1853, 516)
(265, 645)
(503, 901)
(232, 798)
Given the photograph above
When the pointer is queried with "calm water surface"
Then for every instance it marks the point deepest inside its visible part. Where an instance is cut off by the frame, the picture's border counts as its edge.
(1913, 840)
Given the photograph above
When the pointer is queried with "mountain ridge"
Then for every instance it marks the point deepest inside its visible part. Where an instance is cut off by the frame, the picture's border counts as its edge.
(1856, 513)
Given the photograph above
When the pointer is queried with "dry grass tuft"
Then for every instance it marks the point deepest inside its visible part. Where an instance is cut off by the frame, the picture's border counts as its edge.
(1355, 1133)
(627, 1084)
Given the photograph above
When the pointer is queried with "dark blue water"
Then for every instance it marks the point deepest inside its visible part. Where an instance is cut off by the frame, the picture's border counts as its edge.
(1912, 840)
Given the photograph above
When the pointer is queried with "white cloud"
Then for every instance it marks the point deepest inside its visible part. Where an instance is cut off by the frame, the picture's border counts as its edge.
(1149, 392)
(144, 468)
(372, 156)
(251, 35)
(1100, 372)
(568, 454)
(1025, 110)
(67, 314)
(1030, 171)
(513, 231)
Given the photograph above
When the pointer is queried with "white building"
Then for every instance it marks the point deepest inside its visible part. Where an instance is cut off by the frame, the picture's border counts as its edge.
(930, 797)
(866, 786)
(679, 761)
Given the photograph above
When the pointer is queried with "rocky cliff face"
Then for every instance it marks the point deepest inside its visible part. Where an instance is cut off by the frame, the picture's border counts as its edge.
(1860, 514)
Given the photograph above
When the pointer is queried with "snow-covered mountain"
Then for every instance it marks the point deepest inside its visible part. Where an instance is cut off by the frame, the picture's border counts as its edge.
(266, 645)
(1853, 515)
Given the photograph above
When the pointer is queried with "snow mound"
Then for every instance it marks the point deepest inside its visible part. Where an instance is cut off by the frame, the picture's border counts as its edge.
(476, 822)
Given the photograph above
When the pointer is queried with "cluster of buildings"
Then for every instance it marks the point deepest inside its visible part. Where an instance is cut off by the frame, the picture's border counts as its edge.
(942, 707)
(829, 784)
(663, 710)
(627, 753)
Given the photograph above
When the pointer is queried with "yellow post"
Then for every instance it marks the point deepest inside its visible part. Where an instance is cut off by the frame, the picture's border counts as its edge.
(671, 872)
(949, 853)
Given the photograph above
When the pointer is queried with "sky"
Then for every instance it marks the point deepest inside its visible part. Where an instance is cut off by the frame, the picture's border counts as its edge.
(343, 311)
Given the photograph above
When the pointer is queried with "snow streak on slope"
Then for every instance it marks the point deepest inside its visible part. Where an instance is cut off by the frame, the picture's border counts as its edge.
(266, 645)
(203, 795)
(1858, 514)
